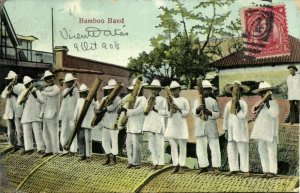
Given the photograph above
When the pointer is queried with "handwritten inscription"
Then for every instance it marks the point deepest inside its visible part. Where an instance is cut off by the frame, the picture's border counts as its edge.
(90, 38)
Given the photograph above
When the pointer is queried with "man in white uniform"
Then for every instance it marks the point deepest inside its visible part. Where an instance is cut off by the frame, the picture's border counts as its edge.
(69, 98)
(13, 112)
(31, 121)
(109, 133)
(265, 130)
(236, 132)
(293, 84)
(206, 131)
(154, 124)
(50, 97)
(135, 123)
(177, 128)
(84, 133)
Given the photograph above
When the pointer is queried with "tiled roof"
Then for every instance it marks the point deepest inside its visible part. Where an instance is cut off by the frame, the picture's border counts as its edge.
(236, 59)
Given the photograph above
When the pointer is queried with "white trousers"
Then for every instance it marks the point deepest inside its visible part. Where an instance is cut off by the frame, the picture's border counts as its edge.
(88, 142)
(110, 141)
(36, 129)
(134, 148)
(174, 151)
(201, 149)
(15, 131)
(65, 135)
(268, 156)
(235, 148)
(157, 148)
(50, 134)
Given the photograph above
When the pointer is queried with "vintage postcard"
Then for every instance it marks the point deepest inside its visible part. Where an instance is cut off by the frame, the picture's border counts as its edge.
(149, 95)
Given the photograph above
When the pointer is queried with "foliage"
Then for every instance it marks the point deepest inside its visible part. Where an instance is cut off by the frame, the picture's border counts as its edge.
(177, 53)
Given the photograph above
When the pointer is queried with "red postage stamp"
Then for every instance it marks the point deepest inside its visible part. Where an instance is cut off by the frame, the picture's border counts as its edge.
(265, 31)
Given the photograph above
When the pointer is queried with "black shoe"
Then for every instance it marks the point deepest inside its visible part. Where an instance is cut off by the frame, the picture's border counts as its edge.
(82, 158)
(176, 169)
(107, 160)
(231, 173)
(154, 167)
(181, 170)
(113, 161)
(47, 154)
(202, 170)
(41, 152)
(129, 166)
(136, 166)
(16, 148)
(28, 152)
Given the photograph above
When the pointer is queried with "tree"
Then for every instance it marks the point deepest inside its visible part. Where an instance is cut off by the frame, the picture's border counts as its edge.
(177, 52)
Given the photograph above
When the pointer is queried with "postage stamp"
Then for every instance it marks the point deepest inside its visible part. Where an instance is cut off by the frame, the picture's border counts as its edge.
(265, 31)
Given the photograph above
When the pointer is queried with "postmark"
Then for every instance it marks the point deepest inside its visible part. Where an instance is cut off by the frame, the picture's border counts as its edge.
(265, 31)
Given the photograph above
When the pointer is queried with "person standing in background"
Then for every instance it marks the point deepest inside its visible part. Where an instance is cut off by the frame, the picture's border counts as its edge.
(293, 84)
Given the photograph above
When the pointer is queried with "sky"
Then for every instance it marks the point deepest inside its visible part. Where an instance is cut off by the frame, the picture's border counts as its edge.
(33, 17)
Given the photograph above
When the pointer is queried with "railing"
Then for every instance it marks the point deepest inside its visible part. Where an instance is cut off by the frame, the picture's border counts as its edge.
(20, 54)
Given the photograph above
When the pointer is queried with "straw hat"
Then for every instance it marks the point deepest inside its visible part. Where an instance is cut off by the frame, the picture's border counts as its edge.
(27, 79)
(293, 66)
(11, 75)
(228, 88)
(206, 84)
(47, 74)
(155, 84)
(69, 77)
(174, 84)
(263, 86)
(83, 88)
(110, 85)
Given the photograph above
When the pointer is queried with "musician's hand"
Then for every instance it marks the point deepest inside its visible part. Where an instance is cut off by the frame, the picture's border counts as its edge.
(207, 112)
(268, 104)
(226, 134)
(34, 94)
(154, 109)
(199, 109)
(238, 107)
(123, 109)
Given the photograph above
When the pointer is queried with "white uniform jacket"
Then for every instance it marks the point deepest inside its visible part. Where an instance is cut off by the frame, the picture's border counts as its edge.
(50, 98)
(111, 115)
(86, 123)
(209, 127)
(177, 124)
(236, 124)
(293, 83)
(136, 115)
(155, 121)
(31, 110)
(11, 108)
(68, 104)
(266, 124)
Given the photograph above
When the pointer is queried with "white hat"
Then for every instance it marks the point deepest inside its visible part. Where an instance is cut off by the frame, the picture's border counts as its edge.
(110, 85)
(27, 79)
(83, 88)
(133, 83)
(262, 87)
(47, 74)
(228, 88)
(69, 77)
(206, 84)
(11, 75)
(154, 84)
(174, 84)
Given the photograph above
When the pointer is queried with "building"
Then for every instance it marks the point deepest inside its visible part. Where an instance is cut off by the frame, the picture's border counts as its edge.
(86, 70)
(273, 70)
